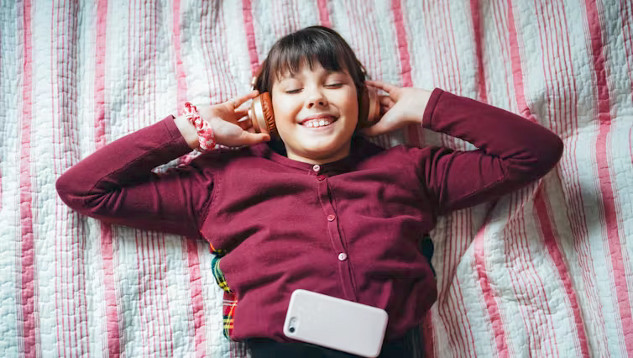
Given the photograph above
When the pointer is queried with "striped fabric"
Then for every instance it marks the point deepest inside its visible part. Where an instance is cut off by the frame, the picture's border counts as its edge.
(229, 301)
(544, 272)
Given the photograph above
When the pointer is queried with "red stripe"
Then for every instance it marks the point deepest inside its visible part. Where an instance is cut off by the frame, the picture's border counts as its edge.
(403, 46)
(496, 321)
(107, 255)
(28, 320)
(247, 12)
(481, 77)
(324, 16)
(191, 251)
(625, 17)
(195, 278)
(61, 347)
(577, 215)
(544, 211)
(405, 65)
(181, 76)
(604, 176)
(540, 207)
(538, 295)
(542, 215)
(169, 344)
(547, 229)
(162, 273)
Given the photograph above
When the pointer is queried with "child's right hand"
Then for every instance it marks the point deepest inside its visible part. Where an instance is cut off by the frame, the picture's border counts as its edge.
(226, 121)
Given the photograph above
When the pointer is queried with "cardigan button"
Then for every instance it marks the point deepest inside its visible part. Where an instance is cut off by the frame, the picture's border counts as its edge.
(342, 256)
(331, 217)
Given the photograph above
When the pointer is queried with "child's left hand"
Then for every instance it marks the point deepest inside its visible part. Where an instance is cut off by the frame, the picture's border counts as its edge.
(401, 106)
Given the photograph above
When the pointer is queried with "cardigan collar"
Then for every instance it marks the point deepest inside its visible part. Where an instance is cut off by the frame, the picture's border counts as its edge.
(359, 149)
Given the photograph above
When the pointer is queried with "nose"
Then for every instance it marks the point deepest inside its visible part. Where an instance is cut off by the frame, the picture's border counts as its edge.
(316, 98)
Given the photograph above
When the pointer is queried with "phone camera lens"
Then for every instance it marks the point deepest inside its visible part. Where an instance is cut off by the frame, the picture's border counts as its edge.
(291, 329)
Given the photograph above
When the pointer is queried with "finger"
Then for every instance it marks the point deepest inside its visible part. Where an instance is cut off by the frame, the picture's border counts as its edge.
(382, 85)
(245, 124)
(240, 100)
(249, 138)
(241, 112)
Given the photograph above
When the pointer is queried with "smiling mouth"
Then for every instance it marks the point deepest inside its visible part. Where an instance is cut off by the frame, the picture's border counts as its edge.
(319, 122)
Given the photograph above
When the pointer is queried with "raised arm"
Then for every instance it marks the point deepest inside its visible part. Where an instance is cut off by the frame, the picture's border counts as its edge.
(512, 151)
(116, 184)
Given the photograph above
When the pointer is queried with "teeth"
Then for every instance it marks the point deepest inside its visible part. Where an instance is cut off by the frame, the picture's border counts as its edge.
(317, 123)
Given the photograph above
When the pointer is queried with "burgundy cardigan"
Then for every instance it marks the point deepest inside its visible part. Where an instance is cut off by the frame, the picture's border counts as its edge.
(348, 229)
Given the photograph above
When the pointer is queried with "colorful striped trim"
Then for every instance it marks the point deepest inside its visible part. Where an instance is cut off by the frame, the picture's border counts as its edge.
(230, 300)
(217, 273)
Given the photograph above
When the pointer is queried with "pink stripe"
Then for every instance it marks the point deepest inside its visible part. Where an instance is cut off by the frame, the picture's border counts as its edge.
(405, 65)
(107, 255)
(247, 12)
(604, 176)
(544, 213)
(625, 17)
(491, 305)
(180, 70)
(162, 273)
(403, 46)
(517, 73)
(547, 229)
(537, 322)
(577, 214)
(58, 258)
(540, 207)
(29, 315)
(324, 16)
(100, 56)
(192, 254)
(481, 77)
(195, 279)
(112, 306)
(169, 344)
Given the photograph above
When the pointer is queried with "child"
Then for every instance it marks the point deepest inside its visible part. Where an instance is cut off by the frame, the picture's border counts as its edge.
(325, 211)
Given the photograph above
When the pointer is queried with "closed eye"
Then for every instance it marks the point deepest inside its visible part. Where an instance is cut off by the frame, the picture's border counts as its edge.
(293, 91)
(334, 85)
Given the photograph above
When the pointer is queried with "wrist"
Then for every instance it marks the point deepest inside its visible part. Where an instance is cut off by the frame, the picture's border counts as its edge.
(206, 138)
(188, 131)
(423, 99)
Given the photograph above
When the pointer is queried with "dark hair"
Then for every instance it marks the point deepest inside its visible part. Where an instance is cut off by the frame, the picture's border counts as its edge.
(314, 43)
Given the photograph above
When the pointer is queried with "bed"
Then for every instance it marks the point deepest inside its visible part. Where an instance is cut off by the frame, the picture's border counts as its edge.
(543, 272)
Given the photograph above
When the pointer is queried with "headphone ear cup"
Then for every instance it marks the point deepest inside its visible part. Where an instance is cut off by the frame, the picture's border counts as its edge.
(368, 107)
(261, 114)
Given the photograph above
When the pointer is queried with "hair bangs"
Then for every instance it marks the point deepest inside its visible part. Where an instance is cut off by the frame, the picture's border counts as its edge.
(297, 52)
(309, 46)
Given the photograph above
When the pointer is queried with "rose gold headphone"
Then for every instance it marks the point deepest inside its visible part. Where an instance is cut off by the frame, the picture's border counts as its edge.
(263, 119)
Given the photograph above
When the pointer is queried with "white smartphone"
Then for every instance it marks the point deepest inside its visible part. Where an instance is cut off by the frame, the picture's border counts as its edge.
(335, 323)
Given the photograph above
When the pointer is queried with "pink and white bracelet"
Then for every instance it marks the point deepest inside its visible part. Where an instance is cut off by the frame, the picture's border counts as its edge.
(205, 133)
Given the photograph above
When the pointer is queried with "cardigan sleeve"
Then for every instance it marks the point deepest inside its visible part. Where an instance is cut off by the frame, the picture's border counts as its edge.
(116, 184)
(512, 152)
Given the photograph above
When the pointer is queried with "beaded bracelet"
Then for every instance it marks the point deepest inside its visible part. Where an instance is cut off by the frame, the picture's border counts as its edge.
(205, 133)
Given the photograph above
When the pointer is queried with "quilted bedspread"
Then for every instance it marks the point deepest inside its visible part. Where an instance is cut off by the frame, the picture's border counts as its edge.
(544, 272)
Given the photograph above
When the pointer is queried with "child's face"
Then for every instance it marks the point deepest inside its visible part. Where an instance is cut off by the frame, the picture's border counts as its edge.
(316, 112)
